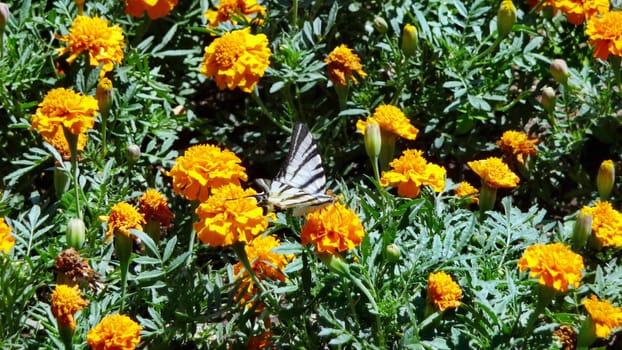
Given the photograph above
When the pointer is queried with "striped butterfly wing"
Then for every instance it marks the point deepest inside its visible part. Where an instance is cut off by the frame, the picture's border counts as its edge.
(301, 183)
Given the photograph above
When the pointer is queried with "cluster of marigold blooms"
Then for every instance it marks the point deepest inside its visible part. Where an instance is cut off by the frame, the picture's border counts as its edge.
(602, 23)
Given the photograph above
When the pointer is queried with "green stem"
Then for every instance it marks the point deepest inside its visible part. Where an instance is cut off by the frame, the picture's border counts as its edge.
(295, 13)
(266, 111)
(545, 295)
(72, 140)
(489, 49)
(66, 335)
(104, 116)
(123, 247)
(379, 329)
(374, 165)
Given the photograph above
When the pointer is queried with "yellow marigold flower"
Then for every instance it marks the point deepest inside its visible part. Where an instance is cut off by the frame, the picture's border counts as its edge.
(114, 332)
(230, 215)
(411, 171)
(554, 264)
(226, 9)
(332, 229)
(494, 173)
(342, 62)
(154, 8)
(66, 301)
(122, 218)
(578, 11)
(605, 34)
(605, 316)
(104, 44)
(237, 59)
(443, 292)
(205, 167)
(390, 119)
(606, 224)
(7, 241)
(465, 189)
(518, 144)
(64, 108)
(153, 206)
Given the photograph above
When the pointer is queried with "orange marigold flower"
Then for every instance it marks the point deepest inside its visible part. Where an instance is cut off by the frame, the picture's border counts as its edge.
(265, 263)
(122, 218)
(64, 108)
(153, 206)
(7, 241)
(59, 142)
(154, 8)
(605, 34)
(66, 301)
(411, 171)
(230, 215)
(205, 167)
(227, 9)
(605, 316)
(332, 229)
(260, 342)
(443, 292)
(392, 120)
(237, 59)
(494, 173)
(578, 11)
(606, 224)
(465, 189)
(342, 62)
(555, 265)
(104, 44)
(518, 144)
(114, 332)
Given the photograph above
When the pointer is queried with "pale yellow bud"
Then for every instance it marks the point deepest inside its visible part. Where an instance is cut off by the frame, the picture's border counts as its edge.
(559, 71)
(409, 40)
(605, 179)
(506, 17)
(103, 94)
(548, 99)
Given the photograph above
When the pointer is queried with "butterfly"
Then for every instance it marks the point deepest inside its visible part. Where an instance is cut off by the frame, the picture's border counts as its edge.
(300, 185)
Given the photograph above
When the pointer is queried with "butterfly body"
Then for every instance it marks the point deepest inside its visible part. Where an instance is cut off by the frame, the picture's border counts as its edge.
(300, 184)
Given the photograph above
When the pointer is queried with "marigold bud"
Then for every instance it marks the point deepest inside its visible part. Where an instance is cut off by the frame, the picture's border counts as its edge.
(335, 263)
(409, 39)
(133, 152)
(76, 233)
(582, 230)
(373, 140)
(103, 94)
(559, 71)
(4, 16)
(393, 252)
(548, 99)
(605, 179)
(380, 24)
(506, 17)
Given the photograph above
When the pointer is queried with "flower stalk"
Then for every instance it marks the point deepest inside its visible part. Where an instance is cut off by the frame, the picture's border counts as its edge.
(72, 140)
(123, 248)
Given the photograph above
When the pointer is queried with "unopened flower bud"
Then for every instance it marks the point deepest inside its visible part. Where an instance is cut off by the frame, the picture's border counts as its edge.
(393, 252)
(103, 94)
(380, 24)
(373, 140)
(582, 230)
(409, 40)
(133, 153)
(76, 233)
(4, 16)
(506, 17)
(548, 99)
(605, 179)
(559, 71)
(335, 263)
